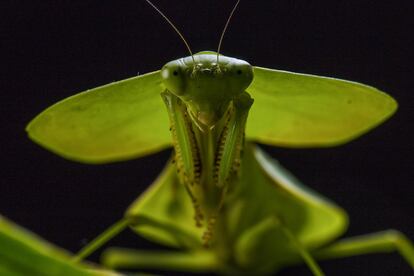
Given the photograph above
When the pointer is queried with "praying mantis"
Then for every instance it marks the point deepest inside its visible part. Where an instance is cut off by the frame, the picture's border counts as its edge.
(257, 199)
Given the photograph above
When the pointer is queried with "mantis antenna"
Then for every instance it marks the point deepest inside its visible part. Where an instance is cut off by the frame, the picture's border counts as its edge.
(225, 28)
(175, 28)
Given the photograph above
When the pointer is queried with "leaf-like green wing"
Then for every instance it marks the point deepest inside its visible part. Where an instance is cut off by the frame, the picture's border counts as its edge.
(298, 110)
(22, 253)
(267, 197)
(165, 214)
(118, 121)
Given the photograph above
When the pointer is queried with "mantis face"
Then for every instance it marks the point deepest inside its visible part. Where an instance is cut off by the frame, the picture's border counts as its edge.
(205, 86)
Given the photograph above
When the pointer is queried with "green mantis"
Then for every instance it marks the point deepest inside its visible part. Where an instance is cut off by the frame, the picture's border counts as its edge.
(253, 215)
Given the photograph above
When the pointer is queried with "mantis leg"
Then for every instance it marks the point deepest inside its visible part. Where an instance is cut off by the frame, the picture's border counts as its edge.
(100, 240)
(273, 224)
(186, 151)
(232, 140)
(201, 261)
(306, 256)
(228, 154)
(385, 241)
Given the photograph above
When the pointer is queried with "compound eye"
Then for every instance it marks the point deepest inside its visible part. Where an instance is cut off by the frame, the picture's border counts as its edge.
(242, 70)
(173, 79)
(241, 76)
(170, 71)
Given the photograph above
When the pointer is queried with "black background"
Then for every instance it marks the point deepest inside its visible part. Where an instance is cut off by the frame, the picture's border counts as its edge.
(52, 49)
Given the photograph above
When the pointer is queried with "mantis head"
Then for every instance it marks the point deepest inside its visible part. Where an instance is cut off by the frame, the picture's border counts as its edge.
(206, 84)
